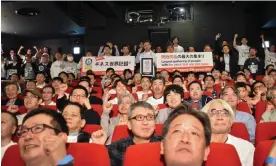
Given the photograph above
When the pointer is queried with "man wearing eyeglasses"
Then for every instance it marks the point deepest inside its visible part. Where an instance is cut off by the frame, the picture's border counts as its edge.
(142, 125)
(231, 96)
(222, 116)
(32, 100)
(42, 139)
(270, 113)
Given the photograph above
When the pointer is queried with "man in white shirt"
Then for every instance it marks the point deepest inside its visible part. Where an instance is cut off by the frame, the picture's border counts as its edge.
(148, 53)
(158, 87)
(177, 48)
(270, 55)
(48, 93)
(8, 128)
(145, 84)
(222, 117)
(242, 49)
(58, 66)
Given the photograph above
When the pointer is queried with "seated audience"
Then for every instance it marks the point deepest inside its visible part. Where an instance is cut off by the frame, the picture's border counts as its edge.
(157, 87)
(137, 80)
(80, 95)
(243, 92)
(166, 75)
(173, 97)
(11, 91)
(240, 77)
(231, 96)
(176, 72)
(268, 81)
(40, 80)
(108, 124)
(259, 92)
(197, 99)
(48, 93)
(92, 76)
(64, 76)
(270, 113)
(216, 74)
(56, 82)
(87, 85)
(209, 82)
(127, 76)
(8, 129)
(191, 77)
(73, 113)
(32, 100)
(15, 78)
(42, 139)
(71, 77)
(178, 80)
(30, 84)
(141, 123)
(120, 87)
(268, 68)
(272, 73)
(106, 78)
(222, 117)
(187, 135)
(146, 89)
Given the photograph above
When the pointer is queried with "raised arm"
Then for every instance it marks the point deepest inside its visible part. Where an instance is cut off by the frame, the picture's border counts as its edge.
(234, 41)
(217, 46)
(19, 51)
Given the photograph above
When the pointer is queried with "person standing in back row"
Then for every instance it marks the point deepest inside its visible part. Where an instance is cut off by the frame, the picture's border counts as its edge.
(242, 49)
(177, 48)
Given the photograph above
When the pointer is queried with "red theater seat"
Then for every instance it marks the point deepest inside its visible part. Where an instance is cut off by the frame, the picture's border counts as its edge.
(265, 131)
(148, 154)
(244, 107)
(239, 130)
(90, 128)
(12, 157)
(208, 93)
(121, 131)
(260, 109)
(261, 152)
(52, 107)
(98, 108)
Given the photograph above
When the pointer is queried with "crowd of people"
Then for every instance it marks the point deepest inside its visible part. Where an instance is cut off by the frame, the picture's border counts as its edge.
(47, 102)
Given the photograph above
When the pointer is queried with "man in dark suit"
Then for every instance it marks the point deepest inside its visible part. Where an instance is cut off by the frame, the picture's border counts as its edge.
(12, 99)
(228, 61)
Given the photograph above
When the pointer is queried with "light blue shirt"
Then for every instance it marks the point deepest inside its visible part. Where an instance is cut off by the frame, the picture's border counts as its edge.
(249, 121)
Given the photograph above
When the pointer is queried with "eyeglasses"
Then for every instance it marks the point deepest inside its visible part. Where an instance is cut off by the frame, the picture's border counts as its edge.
(149, 117)
(22, 132)
(223, 112)
(259, 87)
(80, 96)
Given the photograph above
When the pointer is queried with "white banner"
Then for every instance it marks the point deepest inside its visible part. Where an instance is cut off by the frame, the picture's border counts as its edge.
(99, 64)
(185, 62)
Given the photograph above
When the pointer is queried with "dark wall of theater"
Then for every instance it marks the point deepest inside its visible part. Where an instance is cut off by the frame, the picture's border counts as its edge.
(209, 19)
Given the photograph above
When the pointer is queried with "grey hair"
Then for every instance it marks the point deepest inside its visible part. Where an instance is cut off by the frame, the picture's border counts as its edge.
(231, 87)
(124, 95)
(269, 93)
(141, 104)
(223, 102)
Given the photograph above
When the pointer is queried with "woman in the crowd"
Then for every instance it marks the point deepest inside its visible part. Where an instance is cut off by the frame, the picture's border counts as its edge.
(145, 84)
(120, 87)
(74, 115)
(258, 94)
(48, 93)
(108, 124)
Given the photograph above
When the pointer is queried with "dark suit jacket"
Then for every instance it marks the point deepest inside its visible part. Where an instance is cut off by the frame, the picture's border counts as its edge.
(233, 64)
(18, 102)
(204, 100)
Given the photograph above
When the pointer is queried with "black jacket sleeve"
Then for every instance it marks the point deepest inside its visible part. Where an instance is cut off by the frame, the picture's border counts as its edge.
(92, 117)
(61, 103)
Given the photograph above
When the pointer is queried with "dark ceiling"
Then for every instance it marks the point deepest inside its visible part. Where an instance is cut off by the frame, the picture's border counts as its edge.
(63, 18)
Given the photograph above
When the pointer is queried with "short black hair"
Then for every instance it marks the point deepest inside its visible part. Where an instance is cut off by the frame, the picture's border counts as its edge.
(107, 46)
(121, 81)
(57, 121)
(269, 66)
(225, 46)
(215, 69)
(85, 80)
(57, 79)
(195, 82)
(240, 85)
(176, 71)
(239, 74)
(175, 37)
(147, 41)
(63, 72)
(174, 88)
(271, 71)
(42, 73)
(187, 109)
(15, 74)
(178, 76)
(72, 75)
(82, 109)
(110, 68)
(12, 83)
(90, 73)
(256, 82)
(159, 78)
(126, 70)
(80, 87)
(212, 77)
(146, 77)
(49, 86)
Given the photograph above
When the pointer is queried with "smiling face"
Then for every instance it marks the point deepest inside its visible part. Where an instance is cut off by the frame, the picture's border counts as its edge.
(173, 99)
(120, 88)
(145, 83)
(124, 104)
(158, 87)
(195, 92)
(185, 143)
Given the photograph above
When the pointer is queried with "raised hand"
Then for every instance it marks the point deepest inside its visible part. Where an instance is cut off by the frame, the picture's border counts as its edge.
(13, 108)
(55, 148)
(86, 103)
(107, 107)
(236, 35)
(116, 47)
(99, 137)
(21, 47)
(262, 36)
(218, 36)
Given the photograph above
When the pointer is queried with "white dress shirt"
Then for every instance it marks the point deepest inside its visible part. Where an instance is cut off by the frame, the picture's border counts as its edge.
(178, 49)
(227, 62)
(151, 100)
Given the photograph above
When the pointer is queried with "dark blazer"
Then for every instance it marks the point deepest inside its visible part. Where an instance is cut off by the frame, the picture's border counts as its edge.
(233, 64)
(84, 137)
(18, 102)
